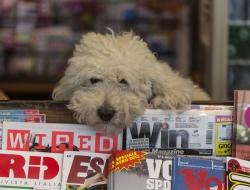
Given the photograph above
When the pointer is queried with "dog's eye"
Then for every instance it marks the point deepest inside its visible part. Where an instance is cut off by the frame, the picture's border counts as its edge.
(95, 80)
(123, 81)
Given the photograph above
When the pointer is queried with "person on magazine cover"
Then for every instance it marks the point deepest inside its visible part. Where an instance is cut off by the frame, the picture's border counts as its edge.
(96, 181)
(74, 187)
(46, 147)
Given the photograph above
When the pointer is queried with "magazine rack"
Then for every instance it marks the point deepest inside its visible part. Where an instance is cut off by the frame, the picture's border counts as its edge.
(57, 112)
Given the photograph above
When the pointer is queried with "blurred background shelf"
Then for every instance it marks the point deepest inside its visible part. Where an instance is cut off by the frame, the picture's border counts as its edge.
(37, 37)
(206, 40)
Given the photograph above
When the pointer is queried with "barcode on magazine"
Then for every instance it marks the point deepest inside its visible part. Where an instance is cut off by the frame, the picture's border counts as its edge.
(209, 137)
(210, 125)
(229, 129)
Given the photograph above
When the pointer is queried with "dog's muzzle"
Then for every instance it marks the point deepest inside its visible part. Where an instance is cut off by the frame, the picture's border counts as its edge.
(106, 112)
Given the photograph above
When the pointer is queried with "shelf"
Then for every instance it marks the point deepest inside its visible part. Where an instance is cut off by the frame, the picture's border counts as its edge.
(239, 22)
(242, 62)
(56, 111)
(35, 87)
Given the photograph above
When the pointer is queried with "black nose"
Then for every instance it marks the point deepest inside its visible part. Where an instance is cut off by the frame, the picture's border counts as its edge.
(106, 113)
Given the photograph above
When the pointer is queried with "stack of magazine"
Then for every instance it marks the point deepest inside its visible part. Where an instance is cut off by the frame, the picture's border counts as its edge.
(40, 155)
(163, 151)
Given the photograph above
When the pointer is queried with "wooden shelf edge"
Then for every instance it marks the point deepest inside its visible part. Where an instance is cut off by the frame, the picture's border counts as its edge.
(3, 96)
(22, 87)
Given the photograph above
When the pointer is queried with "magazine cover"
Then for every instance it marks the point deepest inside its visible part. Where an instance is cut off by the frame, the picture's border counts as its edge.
(241, 125)
(136, 170)
(30, 170)
(84, 170)
(191, 173)
(238, 174)
(19, 118)
(223, 135)
(201, 107)
(211, 107)
(37, 118)
(57, 137)
(193, 132)
(18, 112)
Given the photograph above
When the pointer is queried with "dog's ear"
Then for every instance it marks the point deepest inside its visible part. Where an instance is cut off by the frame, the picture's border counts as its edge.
(72, 78)
(170, 91)
(62, 90)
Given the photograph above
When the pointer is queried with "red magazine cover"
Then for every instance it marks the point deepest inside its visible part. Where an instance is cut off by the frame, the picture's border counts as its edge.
(55, 137)
(9, 116)
(85, 170)
(241, 125)
(30, 170)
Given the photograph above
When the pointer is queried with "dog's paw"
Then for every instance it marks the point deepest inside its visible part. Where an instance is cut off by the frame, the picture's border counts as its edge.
(174, 103)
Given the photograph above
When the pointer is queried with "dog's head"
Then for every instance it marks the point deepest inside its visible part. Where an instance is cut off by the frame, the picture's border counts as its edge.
(108, 80)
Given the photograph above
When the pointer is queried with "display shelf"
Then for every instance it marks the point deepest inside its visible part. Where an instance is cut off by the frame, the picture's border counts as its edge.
(243, 62)
(57, 112)
(238, 22)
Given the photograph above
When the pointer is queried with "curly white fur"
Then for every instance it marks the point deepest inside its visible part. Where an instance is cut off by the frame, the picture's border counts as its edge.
(119, 75)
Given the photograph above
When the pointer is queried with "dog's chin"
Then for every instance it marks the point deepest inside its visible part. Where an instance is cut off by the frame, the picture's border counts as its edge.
(117, 124)
(127, 107)
(110, 128)
(89, 117)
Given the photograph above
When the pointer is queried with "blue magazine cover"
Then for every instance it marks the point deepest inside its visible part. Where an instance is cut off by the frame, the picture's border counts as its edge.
(198, 174)
(18, 112)
(35, 118)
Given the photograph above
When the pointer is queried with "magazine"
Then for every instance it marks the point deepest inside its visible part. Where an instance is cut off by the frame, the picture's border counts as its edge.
(30, 170)
(241, 125)
(191, 173)
(57, 137)
(223, 135)
(194, 132)
(136, 170)
(18, 112)
(210, 107)
(201, 107)
(8, 117)
(238, 174)
(36, 118)
(84, 170)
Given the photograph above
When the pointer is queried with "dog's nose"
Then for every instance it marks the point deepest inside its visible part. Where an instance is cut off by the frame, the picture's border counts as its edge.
(106, 113)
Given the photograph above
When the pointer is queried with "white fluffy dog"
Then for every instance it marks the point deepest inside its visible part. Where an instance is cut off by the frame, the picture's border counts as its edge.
(111, 79)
